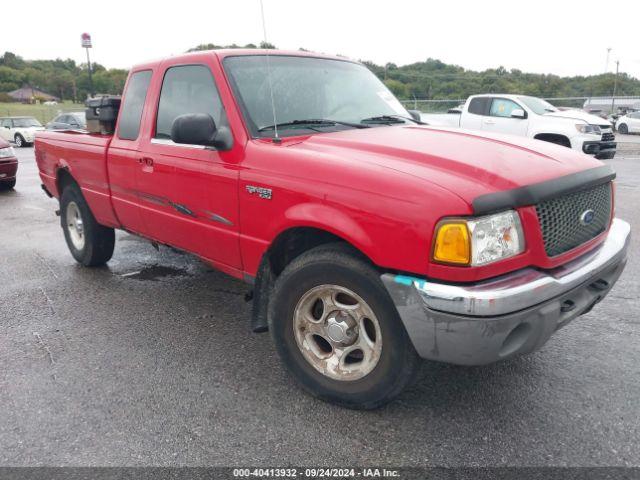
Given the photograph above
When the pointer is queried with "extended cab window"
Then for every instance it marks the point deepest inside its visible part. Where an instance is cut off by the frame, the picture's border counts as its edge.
(478, 106)
(187, 89)
(131, 111)
(501, 107)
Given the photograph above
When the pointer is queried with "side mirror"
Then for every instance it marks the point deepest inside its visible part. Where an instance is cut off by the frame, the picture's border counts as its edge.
(518, 113)
(200, 129)
(415, 114)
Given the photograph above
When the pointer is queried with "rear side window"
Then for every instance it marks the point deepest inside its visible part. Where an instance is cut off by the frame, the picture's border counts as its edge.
(131, 110)
(478, 105)
(187, 89)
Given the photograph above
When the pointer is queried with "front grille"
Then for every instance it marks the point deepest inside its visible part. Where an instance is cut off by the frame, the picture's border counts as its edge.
(608, 137)
(562, 219)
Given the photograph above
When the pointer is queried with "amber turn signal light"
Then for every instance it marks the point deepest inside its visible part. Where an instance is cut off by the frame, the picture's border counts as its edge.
(452, 244)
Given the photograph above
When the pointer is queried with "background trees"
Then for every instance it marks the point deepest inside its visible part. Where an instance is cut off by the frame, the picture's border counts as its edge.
(431, 79)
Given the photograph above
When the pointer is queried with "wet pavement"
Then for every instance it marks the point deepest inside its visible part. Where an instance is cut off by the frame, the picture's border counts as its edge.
(150, 361)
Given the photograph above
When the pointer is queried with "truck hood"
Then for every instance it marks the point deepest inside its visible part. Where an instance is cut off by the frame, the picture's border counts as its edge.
(466, 163)
(579, 115)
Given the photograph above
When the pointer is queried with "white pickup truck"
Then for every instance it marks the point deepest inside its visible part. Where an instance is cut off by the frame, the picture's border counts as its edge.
(534, 118)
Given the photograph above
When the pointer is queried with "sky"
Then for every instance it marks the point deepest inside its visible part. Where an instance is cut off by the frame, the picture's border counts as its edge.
(563, 37)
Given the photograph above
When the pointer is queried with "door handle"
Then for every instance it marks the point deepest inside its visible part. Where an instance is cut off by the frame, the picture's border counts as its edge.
(489, 122)
(146, 161)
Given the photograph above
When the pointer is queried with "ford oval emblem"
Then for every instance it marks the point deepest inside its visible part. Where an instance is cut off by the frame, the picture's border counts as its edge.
(587, 217)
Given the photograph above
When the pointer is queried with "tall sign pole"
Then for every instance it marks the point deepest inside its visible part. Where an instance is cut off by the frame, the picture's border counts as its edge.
(86, 44)
(615, 87)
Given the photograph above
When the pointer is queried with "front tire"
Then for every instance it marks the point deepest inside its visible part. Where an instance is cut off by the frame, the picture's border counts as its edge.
(19, 141)
(90, 243)
(337, 330)
(623, 129)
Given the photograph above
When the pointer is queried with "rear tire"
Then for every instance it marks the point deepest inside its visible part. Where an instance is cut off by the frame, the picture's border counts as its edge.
(7, 185)
(384, 361)
(623, 129)
(19, 141)
(90, 243)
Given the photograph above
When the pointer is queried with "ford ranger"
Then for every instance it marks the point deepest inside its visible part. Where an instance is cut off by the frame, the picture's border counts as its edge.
(369, 240)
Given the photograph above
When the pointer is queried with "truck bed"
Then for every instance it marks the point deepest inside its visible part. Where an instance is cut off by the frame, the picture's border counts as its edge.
(84, 155)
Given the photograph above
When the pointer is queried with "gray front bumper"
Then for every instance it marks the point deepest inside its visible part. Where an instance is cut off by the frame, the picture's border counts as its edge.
(506, 316)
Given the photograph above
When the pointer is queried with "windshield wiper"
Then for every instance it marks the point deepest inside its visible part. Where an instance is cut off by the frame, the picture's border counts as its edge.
(391, 119)
(314, 122)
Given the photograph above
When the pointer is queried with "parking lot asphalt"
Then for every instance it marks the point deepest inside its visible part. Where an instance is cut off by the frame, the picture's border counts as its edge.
(150, 361)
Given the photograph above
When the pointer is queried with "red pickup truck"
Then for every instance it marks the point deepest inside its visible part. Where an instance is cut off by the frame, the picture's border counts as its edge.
(370, 239)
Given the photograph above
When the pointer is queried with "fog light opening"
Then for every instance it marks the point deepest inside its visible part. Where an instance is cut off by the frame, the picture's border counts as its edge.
(515, 340)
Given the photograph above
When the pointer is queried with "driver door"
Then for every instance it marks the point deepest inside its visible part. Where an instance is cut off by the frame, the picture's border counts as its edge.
(500, 120)
(189, 193)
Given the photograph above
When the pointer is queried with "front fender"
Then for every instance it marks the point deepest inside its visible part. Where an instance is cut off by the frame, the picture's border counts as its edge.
(330, 219)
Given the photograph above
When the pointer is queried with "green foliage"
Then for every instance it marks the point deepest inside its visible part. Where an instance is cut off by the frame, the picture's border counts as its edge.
(431, 79)
(62, 78)
(434, 79)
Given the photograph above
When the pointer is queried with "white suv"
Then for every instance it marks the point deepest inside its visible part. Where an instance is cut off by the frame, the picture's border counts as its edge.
(630, 123)
(19, 130)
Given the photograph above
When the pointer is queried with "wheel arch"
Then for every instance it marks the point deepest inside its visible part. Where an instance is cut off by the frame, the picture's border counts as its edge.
(289, 243)
(64, 178)
(557, 138)
(295, 240)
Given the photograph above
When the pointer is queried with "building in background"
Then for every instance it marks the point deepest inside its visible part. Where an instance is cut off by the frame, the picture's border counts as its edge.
(29, 94)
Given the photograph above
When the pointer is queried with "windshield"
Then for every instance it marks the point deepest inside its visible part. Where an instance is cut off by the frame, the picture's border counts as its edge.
(538, 105)
(25, 123)
(80, 118)
(307, 88)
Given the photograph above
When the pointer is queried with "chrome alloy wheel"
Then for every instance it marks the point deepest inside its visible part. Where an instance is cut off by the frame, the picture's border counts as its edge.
(337, 332)
(75, 225)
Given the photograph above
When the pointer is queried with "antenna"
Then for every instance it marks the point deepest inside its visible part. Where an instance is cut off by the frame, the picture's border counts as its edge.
(273, 104)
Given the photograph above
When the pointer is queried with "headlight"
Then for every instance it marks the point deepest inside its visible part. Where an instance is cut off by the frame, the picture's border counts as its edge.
(584, 128)
(479, 241)
(7, 152)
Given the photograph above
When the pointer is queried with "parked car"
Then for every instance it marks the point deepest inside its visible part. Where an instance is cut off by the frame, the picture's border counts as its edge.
(629, 123)
(536, 118)
(68, 121)
(369, 240)
(19, 130)
(8, 166)
(50, 103)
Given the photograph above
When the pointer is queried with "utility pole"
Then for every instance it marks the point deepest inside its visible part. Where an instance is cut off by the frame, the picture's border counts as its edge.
(86, 44)
(606, 67)
(615, 87)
